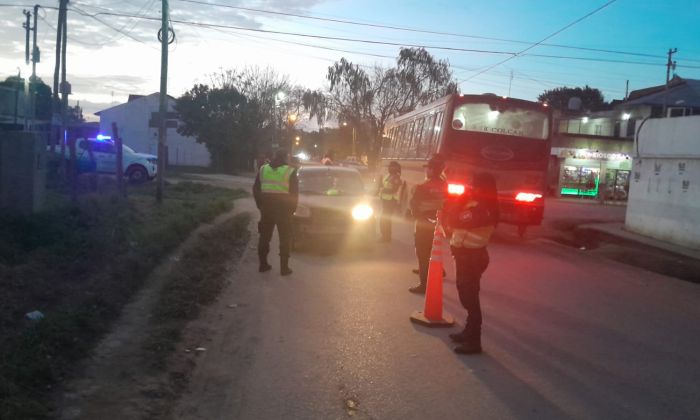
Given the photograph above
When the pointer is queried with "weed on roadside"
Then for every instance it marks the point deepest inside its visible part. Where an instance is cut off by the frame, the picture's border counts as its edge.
(79, 266)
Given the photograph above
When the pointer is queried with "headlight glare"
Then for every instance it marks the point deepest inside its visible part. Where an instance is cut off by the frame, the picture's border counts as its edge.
(362, 212)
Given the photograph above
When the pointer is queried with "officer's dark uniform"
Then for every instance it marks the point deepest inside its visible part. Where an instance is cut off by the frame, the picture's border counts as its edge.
(276, 193)
(427, 199)
(470, 224)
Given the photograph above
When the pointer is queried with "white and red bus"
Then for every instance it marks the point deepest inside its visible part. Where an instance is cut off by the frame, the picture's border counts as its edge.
(509, 138)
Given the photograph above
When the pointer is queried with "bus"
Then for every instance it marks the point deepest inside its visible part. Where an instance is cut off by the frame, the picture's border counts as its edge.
(507, 137)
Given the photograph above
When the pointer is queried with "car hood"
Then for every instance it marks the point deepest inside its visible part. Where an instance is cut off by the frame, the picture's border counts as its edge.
(338, 202)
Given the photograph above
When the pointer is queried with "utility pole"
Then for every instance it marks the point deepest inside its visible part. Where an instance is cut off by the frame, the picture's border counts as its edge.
(36, 55)
(27, 27)
(510, 83)
(669, 65)
(164, 37)
(627, 88)
(55, 117)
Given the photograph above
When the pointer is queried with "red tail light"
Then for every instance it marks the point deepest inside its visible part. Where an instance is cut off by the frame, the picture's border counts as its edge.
(455, 189)
(527, 197)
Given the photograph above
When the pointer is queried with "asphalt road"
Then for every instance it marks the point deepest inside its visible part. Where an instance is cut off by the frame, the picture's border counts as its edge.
(566, 335)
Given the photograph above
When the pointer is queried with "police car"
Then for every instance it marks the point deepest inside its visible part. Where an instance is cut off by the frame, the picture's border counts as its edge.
(99, 155)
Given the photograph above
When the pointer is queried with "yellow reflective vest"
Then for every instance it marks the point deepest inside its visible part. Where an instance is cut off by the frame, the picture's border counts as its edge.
(275, 180)
(386, 185)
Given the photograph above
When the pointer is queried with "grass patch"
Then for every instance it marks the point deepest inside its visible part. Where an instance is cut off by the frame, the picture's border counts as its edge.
(79, 266)
(194, 281)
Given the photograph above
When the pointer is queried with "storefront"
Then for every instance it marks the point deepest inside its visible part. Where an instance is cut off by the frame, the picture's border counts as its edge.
(590, 174)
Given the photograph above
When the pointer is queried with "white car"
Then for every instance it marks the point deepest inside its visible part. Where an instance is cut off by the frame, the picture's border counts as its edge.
(138, 167)
(332, 205)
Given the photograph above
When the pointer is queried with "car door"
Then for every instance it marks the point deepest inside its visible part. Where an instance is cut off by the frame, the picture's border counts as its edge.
(105, 156)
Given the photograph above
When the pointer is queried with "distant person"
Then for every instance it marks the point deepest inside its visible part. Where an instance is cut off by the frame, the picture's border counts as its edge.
(390, 196)
(427, 199)
(276, 193)
(328, 158)
(469, 223)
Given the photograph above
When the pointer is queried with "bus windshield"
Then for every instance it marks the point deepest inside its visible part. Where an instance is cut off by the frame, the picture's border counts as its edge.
(517, 122)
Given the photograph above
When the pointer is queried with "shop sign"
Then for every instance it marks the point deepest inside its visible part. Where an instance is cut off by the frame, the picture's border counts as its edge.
(591, 155)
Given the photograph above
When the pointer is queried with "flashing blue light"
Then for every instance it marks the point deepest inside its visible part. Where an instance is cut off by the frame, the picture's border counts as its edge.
(101, 137)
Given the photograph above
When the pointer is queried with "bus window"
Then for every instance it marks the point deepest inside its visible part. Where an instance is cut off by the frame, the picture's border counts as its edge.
(417, 139)
(423, 149)
(401, 140)
(407, 139)
(508, 122)
(437, 128)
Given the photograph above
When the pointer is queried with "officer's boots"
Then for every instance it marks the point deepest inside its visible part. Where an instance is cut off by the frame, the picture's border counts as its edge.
(469, 341)
(264, 266)
(284, 266)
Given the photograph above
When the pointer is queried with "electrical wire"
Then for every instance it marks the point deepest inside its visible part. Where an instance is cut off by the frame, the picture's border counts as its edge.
(406, 29)
(546, 38)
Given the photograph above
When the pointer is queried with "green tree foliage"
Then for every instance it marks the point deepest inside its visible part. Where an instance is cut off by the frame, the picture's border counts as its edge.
(366, 99)
(223, 119)
(558, 98)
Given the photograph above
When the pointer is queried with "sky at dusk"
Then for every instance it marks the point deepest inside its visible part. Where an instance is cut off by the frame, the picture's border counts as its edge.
(110, 57)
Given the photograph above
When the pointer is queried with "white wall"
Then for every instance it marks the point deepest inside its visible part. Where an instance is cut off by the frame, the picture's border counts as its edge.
(132, 120)
(664, 197)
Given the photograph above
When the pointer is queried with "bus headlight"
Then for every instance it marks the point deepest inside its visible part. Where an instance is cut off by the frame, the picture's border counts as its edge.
(362, 212)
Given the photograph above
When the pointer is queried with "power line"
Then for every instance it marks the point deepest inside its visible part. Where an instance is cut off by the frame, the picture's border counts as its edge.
(238, 28)
(332, 38)
(424, 31)
(546, 38)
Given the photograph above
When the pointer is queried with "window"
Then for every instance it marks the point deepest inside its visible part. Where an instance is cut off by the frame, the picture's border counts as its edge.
(103, 147)
(507, 122)
(437, 129)
(423, 149)
(417, 136)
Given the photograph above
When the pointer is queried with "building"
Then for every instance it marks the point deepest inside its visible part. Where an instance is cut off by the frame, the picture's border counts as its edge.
(665, 190)
(133, 119)
(590, 158)
(591, 152)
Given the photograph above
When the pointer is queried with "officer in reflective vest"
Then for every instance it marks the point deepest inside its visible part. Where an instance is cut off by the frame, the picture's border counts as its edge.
(390, 195)
(469, 224)
(427, 199)
(276, 193)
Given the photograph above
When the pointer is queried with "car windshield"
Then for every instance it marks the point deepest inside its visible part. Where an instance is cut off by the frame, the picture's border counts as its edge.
(330, 183)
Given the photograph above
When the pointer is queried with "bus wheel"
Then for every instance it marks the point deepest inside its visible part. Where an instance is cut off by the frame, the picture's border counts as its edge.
(521, 231)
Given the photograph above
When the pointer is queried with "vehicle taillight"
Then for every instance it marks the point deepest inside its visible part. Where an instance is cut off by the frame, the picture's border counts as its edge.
(527, 197)
(455, 189)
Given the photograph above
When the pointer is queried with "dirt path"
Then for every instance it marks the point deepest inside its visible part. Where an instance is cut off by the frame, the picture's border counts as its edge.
(114, 382)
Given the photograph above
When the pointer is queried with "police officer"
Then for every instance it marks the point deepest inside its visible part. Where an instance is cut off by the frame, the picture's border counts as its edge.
(389, 194)
(470, 222)
(276, 193)
(427, 199)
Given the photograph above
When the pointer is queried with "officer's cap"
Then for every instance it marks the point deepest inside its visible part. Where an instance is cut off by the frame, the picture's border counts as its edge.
(435, 162)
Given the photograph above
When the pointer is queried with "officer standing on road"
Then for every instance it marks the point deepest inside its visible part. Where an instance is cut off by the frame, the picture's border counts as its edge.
(276, 193)
(390, 194)
(428, 198)
(470, 222)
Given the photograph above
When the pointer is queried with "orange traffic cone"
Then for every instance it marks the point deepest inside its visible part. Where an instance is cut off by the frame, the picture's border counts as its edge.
(432, 315)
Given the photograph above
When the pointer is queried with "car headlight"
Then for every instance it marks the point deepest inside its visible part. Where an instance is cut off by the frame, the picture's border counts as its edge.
(362, 212)
(302, 211)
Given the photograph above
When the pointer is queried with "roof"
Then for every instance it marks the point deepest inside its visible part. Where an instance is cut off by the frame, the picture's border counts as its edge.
(681, 92)
(132, 98)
